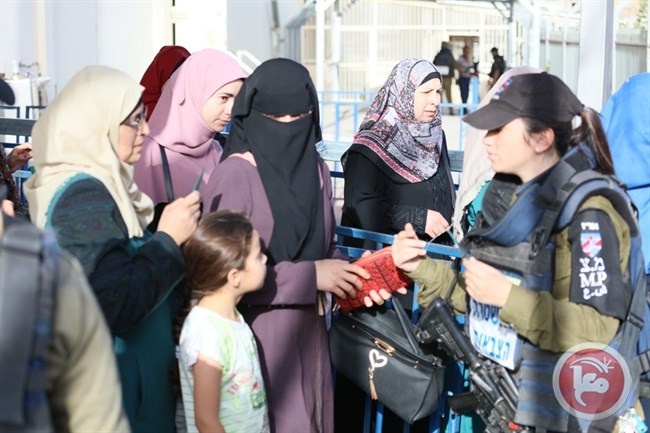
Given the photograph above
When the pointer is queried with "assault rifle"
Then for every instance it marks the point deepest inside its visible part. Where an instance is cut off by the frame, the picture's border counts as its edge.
(494, 394)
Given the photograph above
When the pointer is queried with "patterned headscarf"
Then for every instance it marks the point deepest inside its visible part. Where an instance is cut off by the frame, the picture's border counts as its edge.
(390, 130)
(7, 179)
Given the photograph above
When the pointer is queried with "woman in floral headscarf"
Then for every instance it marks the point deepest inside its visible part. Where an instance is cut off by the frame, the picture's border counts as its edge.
(397, 169)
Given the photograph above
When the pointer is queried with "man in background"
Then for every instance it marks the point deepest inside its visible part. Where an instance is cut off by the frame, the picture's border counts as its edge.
(498, 66)
(465, 71)
(446, 65)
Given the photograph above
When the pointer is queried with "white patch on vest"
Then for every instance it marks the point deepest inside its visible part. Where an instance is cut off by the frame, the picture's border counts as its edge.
(592, 277)
(588, 225)
(492, 338)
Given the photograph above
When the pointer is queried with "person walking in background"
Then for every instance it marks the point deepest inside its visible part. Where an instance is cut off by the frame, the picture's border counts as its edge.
(220, 374)
(274, 175)
(194, 105)
(465, 72)
(446, 64)
(168, 59)
(397, 169)
(498, 66)
(9, 163)
(85, 145)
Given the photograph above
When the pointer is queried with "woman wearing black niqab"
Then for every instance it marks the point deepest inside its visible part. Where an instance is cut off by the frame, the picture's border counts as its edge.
(272, 173)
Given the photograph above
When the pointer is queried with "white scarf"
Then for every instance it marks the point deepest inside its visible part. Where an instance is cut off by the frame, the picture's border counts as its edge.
(78, 133)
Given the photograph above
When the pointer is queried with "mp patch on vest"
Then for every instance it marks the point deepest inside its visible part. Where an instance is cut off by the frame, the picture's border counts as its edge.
(596, 277)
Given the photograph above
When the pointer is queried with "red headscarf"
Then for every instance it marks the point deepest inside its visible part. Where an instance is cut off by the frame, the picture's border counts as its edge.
(168, 59)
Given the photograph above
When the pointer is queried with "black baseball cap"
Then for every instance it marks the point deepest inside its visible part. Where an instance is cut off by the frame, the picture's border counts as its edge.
(6, 94)
(538, 96)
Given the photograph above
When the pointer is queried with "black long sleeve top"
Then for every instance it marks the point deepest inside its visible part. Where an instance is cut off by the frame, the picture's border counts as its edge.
(129, 282)
(377, 199)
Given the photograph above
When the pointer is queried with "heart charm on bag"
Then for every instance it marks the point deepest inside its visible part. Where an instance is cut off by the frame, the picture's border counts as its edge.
(377, 360)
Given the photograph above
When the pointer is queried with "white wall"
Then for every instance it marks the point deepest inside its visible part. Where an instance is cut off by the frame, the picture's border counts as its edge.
(201, 24)
(17, 38)
(250, 23)
(64, 36)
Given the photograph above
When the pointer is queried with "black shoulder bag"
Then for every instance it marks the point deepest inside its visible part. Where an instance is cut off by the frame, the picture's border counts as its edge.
(376, 349)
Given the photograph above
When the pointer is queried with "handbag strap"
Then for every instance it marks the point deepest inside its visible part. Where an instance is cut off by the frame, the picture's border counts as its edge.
(169, 189)
(405, 324)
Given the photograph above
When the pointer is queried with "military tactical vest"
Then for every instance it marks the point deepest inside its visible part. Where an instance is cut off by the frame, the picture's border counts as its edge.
(519, 239)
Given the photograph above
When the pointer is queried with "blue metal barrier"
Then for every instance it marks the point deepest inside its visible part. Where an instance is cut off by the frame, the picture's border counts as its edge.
(455, 371)
(341, 102)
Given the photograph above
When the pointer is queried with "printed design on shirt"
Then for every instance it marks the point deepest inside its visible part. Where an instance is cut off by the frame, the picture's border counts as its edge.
(593, 274)
(238, 380)
(232, 344)
(258, 396)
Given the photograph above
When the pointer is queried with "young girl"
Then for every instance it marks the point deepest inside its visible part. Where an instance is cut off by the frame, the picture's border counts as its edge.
(220, 374)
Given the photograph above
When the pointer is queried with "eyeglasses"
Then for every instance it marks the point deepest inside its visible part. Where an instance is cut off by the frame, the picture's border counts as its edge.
(136, 121)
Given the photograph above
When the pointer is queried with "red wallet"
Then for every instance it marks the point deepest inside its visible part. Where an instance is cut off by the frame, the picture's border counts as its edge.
(383, 275)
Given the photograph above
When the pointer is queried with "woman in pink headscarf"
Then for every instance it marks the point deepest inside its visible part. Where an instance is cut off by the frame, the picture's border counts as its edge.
(194, 105)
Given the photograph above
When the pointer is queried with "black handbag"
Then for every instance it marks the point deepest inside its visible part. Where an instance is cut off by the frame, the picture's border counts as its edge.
(376, 349)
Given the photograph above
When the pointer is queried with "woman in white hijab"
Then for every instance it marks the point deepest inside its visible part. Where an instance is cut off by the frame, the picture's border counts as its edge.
(84, 147)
